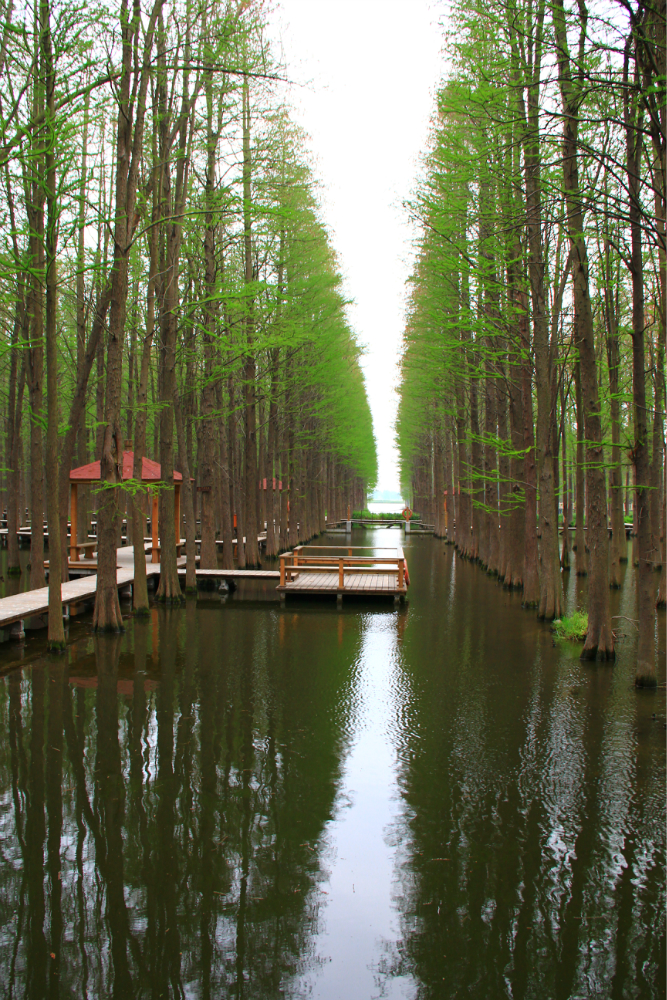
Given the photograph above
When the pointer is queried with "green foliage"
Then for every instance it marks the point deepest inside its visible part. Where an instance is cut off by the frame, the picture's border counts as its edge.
(573, 627)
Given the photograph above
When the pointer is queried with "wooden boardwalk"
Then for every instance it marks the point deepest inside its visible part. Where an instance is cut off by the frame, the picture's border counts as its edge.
(34, 603)
(345, 571)
(306, 570)
(77, 593)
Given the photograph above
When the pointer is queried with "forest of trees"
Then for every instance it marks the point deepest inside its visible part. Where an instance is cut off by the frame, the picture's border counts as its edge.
(168, 288)
(533, 383)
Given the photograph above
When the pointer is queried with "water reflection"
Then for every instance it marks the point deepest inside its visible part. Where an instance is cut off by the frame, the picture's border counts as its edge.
(164, 837)
(531, 840)
(242, 800)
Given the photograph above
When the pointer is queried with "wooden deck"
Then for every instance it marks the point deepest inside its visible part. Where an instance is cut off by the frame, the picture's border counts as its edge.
(355, 583)
(344, 571)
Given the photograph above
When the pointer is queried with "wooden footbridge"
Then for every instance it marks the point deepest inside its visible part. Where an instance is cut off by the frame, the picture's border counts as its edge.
(351, 571)
(410, 527)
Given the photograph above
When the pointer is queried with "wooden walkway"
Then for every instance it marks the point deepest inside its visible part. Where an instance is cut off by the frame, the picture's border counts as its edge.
(33, 603)
(345, 571)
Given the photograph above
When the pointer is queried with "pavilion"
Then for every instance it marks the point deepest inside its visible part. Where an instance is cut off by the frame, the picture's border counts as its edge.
(151, 472)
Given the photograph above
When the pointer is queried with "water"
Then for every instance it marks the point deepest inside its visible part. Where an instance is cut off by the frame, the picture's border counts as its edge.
(241, 800)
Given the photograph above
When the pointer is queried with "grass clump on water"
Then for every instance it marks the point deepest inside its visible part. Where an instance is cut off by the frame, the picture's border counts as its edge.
(573, 627)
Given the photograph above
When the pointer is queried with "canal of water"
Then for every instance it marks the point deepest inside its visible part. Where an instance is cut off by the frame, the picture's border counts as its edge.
(242, 800)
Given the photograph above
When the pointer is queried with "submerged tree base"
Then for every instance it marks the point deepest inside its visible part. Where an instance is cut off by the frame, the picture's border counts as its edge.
(601, 655)
(174, 600)
(142, 612)
(55, 646)
(108, 629)
(646, 681)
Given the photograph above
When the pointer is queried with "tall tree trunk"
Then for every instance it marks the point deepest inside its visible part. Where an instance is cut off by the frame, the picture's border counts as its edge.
(567, 494)
(56, 631)
(579, 535)
(171, 205)
(15, 407)
(645, 675)
(618, 543)
(188, 504)
(140, 605)
(129, 150)
(599, 641)
(251, 475)
(531, 577)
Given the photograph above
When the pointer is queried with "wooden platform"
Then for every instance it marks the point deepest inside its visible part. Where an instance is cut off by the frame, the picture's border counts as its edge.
(368, 584)
(344, 571)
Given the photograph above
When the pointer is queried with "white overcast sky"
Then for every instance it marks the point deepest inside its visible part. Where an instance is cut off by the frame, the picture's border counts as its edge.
(367, 72)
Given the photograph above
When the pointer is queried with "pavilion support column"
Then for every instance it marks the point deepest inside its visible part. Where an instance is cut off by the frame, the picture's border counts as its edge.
(73, 516)
(155, 554)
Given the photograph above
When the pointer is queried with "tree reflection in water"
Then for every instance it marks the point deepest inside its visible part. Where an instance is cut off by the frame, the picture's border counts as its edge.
(163, 809)
(531, 844)
(171, 801)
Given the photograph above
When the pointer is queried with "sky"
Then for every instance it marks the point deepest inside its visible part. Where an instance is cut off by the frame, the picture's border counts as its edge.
(365, 74)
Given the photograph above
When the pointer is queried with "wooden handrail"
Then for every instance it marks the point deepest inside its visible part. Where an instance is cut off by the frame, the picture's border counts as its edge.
(371, 570)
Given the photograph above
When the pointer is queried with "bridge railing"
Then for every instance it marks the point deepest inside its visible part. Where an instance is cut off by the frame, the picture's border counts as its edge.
(311, 558)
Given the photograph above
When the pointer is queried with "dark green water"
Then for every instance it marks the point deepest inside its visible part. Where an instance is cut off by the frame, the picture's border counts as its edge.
(239, 800)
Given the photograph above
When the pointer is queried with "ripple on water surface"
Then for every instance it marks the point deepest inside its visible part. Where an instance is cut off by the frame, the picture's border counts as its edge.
(242, 799)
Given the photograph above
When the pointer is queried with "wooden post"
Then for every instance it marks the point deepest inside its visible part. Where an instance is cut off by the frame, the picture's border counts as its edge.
(282, 571)
(341, 574)
(177, 513)
(349, 513)
(155, 555)
(73, 551)
(401, 573)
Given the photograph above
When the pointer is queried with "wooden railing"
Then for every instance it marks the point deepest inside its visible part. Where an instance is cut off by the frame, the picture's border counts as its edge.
(304, 558)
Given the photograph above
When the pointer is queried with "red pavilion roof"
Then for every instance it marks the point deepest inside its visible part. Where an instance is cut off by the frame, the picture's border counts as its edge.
(151, 471)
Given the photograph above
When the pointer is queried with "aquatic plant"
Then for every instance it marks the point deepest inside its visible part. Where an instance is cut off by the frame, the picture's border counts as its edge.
(572, 627)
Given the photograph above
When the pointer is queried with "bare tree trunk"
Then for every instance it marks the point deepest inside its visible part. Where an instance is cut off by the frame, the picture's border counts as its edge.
(56, 631)
(15, 407)
(171, 213)
(531, 578)
(567, 495)
(618, 543)
(645, 675)
(251, 477)
(140, 606)
(599, 643)
(188, 505)
(129, 150)
(35, 372)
